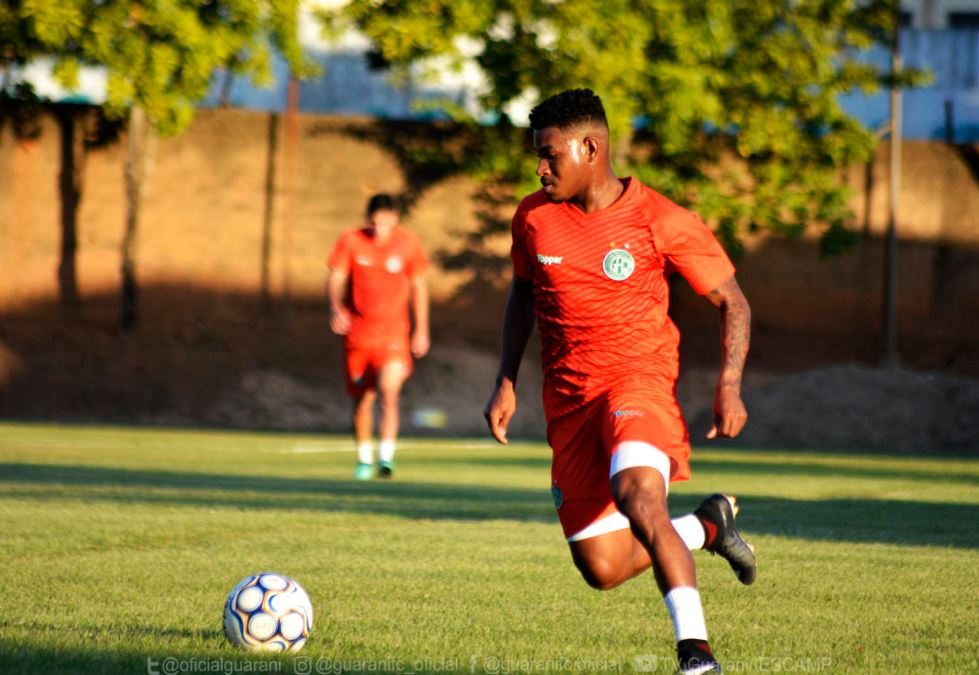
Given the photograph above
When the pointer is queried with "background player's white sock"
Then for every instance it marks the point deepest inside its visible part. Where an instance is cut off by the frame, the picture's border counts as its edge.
(365, 452)
(683, 603)
(386, 451)
(691, 531)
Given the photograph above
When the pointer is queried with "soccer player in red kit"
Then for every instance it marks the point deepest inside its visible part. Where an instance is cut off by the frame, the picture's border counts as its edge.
(591, 254)
(375, 273)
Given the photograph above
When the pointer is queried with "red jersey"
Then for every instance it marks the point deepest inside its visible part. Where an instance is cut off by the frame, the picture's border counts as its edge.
(379, 282)
(601, 293)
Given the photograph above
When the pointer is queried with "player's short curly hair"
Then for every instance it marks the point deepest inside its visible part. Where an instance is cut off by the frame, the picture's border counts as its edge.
(383, 202)
(568, 109)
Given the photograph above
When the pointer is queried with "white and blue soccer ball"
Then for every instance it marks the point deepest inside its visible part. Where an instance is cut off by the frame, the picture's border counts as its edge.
(268, 611)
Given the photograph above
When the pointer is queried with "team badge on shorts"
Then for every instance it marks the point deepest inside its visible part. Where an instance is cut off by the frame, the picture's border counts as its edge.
(618, 264)
(557, 496)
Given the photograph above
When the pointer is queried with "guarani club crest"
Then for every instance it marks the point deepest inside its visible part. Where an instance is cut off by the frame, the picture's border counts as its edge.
(557, 496)
(618, 264)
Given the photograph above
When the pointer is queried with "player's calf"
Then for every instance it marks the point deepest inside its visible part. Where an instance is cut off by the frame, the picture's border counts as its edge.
(610, 559)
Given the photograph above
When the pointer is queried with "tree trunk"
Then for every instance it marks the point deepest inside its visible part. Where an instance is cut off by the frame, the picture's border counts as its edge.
(269, 218)
(225, 100)
(71, 120)
(134, 170)
(891, 358)
(291, 162)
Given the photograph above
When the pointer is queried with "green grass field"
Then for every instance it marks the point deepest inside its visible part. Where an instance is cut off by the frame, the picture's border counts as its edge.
(118, 547)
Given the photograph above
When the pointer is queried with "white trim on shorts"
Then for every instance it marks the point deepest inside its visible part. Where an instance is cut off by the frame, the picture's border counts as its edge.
(610, 523)
(627, 454)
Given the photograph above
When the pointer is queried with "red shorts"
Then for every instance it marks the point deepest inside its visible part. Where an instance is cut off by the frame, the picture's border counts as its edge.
(364, 363)
(582, 442)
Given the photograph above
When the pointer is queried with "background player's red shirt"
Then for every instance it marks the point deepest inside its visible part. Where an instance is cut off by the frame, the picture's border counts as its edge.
(600, 289)
(379, 282)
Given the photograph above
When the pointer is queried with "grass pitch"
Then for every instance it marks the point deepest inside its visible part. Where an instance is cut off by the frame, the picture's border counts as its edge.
(118, 548)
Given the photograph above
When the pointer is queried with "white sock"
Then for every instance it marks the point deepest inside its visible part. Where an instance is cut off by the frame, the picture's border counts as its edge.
(683, 603)
(365, 452)
(387, 451)
(691, 531)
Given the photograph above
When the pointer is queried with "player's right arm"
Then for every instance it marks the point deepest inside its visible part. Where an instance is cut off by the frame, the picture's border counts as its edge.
(336, 290)
(337, 280)
(518, 323)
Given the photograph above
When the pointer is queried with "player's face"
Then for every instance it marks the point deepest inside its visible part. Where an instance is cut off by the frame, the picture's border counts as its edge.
(562, 163)
(381, 223)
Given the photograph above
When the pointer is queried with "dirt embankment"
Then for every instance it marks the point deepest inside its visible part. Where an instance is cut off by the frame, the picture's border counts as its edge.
(839, 408)
(220, 360)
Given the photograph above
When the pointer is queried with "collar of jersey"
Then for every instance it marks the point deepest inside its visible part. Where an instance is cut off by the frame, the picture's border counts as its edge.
(631, 188)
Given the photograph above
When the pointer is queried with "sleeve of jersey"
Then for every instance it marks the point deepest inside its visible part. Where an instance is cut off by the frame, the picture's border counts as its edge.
(417, 261)
(693, 250)
(339, 258)
(522, 266)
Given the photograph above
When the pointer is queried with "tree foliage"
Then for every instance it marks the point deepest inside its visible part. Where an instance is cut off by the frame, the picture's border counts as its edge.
(731, 107)
(159, 54)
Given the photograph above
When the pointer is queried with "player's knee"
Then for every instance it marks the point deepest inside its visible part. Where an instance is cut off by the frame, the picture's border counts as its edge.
(639, 484)
(636, 502)
(641, 500)
(363, 406)
(389, 399)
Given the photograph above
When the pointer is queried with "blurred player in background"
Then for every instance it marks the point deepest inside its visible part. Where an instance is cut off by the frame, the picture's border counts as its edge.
(591, 254)
(376, 272)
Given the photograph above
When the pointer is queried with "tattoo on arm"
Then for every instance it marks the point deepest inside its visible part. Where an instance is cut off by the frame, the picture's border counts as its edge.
(735, 330)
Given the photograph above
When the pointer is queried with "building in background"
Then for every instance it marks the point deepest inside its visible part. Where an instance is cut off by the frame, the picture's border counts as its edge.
(945, 109)
(940, 14)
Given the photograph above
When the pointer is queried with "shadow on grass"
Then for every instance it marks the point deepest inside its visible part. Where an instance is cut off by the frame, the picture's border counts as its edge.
(399, 498)
(497, 461)
(879, 521)
(113, 631)
(820, 469)
(855, 520)
(755, 466)
(31, 658)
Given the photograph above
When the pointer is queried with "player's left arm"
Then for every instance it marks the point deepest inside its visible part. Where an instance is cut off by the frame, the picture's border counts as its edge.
(730, 414)
(420, 337)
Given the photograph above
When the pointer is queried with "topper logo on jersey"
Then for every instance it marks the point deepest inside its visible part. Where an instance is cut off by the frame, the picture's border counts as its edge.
(549, 259)
(618, 264)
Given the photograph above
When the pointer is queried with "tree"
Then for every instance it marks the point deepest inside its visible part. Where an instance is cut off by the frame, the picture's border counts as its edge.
(159, 57)
(730, 108)
(71, 121)
(20, 46)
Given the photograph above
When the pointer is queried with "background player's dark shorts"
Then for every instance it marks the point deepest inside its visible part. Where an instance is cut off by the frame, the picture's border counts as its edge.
(582, 443)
